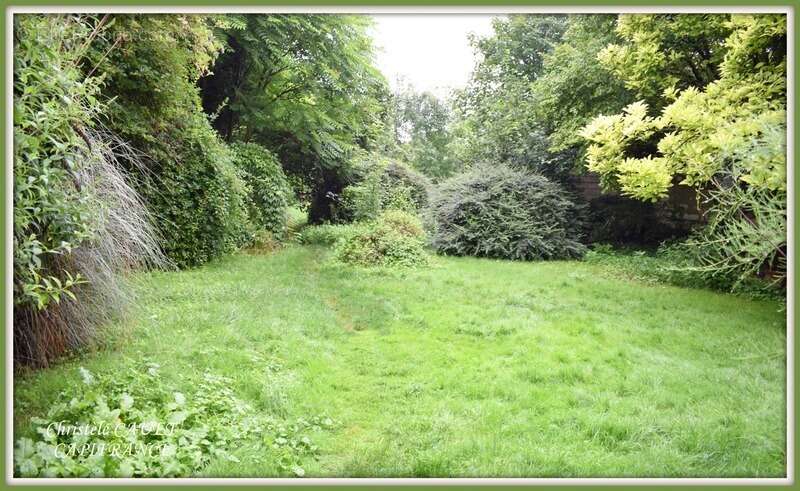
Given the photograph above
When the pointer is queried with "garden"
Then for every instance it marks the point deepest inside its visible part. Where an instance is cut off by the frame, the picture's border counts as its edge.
(239, 251)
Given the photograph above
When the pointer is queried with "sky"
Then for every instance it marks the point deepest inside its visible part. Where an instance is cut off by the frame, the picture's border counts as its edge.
(431, 51)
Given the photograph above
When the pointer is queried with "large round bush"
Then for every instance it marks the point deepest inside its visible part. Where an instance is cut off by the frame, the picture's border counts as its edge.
(268, 187)
(495, 211)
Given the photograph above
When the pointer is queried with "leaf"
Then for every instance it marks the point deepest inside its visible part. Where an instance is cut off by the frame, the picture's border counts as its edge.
(28, 468)
(178, 417)
(126, 401)
(125, 470)
(25, 448)
(168, 450)
(87, 376)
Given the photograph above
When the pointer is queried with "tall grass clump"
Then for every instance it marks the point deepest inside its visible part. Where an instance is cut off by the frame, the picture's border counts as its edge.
(79, 226)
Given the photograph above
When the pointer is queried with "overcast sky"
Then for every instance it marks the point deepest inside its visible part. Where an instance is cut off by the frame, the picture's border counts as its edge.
(431, 51)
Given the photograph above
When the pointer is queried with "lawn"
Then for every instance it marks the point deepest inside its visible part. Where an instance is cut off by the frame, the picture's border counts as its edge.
(471, 367)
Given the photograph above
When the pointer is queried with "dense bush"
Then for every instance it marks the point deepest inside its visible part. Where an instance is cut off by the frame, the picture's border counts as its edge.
(495, 211)
(78, 224)
(198, 198)
(395, 238)
(268, 188)
(378, 184)
(190, 185)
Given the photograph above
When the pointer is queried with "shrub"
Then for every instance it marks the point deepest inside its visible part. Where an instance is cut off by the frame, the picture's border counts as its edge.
(151, 65)
(78, 224)
(263, 242)
(495, 211)
(268, 188)
(198, 198)
(744, 242)
(395, 238)
(380, 184)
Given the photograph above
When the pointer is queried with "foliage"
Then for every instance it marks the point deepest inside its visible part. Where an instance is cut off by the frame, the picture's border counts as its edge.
(573, 88)
(268, 188)
(666, 52)
(517, 48)
(422, 132)
(744, 238)
(78, 224)
(326, 234)
(296, 220)
(394, 238)
(264, 242)
(191, 186)
(201, 204)
(726, 138)
(380, 183)
(497, 120)
(495, 211)
(738, 118)
(51, 213)
(133, 425)
(304, 87)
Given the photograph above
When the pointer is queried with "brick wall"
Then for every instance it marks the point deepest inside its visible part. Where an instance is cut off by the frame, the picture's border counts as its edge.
(680, 208)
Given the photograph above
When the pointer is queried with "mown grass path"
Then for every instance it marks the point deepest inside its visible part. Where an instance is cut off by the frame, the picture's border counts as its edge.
(469, 368)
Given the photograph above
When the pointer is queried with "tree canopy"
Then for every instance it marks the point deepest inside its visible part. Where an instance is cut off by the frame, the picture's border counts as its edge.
(737, 120)
(305, 87)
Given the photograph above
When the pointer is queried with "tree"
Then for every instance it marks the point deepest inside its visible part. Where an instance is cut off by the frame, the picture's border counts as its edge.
(422, 132)
(661, 52)
(497, 120)
(304, 86)
(573, 88)
(725, 136)
(737, 120)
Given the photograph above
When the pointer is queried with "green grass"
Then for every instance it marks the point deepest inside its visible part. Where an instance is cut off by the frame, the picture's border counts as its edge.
(468, 368)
